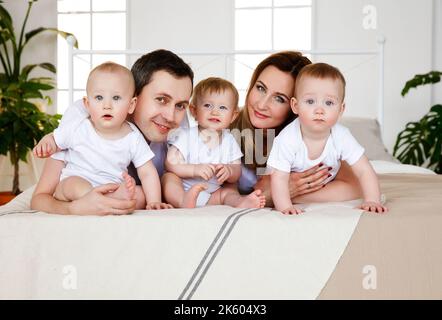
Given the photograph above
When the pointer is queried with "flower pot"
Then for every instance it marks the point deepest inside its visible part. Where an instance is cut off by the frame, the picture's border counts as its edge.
(5, 197)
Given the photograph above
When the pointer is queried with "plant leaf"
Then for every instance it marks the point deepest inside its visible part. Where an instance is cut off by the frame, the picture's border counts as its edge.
(420, 80)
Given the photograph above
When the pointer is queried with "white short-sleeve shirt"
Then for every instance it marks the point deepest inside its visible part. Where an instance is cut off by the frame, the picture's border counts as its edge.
(96, 159)
(289, 152)
(195, 151)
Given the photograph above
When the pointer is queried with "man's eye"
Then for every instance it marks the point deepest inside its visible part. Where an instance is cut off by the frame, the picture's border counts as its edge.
(180, 106)
(116, 98)
(98, 98)
(161, 100)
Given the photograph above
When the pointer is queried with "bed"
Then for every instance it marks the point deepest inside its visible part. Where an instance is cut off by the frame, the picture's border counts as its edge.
(333, 251)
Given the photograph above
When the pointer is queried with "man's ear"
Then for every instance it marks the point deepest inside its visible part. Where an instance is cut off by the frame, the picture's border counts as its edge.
(294, 105)
(192, 110)
(133, 104)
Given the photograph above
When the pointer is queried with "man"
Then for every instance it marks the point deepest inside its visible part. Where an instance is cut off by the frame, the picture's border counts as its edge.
(163, 86)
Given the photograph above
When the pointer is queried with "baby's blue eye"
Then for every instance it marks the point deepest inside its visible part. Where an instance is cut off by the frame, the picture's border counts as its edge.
(116, 98)
(223, 108)
(207, 105)
(329, 103)
(310, 101)
(99, 98)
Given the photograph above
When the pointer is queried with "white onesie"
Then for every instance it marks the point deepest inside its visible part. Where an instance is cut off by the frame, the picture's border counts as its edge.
(289, 152)
(195, 151)
(96, 159)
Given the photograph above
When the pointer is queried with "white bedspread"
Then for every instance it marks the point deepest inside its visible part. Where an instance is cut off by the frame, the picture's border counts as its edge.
(215, 252)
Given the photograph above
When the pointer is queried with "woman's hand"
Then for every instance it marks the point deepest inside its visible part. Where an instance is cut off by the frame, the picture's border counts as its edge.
(309, 180)
(96, 203)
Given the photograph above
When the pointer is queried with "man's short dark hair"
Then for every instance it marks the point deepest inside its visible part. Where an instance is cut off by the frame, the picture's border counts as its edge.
(158, 60)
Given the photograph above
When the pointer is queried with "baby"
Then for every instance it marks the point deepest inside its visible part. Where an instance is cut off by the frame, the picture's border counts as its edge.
(315, 137)
(207, 155)
(100, 148)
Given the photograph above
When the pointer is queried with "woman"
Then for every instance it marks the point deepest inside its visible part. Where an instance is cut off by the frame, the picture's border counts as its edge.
(266, 112)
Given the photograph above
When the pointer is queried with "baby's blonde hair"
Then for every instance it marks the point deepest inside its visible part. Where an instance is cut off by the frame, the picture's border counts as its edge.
(321, 70)
(112, 67)
(214, 84)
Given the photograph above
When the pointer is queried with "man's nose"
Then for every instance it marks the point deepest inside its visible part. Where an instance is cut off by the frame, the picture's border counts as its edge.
(168, 113)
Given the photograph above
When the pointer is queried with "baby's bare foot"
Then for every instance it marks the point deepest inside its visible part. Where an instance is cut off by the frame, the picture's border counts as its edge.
(253, 200)
(126, 190)
(190, 197)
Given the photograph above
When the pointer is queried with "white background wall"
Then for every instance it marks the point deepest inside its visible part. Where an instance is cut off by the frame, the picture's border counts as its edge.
(414, 45)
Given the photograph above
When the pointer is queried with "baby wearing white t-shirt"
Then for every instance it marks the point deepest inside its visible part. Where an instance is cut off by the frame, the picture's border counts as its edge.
(315, 137)
(99, 148)
(207, 155)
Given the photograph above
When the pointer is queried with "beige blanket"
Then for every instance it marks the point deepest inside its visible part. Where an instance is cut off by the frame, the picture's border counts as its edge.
(177, 255)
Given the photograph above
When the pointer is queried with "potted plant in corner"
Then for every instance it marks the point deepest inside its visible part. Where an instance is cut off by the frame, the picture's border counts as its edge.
(22, 123)
(420, 143)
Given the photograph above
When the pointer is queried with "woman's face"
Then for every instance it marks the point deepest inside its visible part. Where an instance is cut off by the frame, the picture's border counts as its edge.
(268, 103)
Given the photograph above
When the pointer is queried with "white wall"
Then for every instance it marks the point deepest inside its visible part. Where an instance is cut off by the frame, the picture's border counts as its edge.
(437, 49)
(407, 26)
(42, 48)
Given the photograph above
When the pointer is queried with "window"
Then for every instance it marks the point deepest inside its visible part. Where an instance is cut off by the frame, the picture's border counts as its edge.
(98, 25)
(268, 25)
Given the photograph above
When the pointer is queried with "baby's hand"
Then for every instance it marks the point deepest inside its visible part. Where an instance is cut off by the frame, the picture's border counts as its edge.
(372, 206)
(45, 147)
(205, 171)
(292, 210)
(223, 173)
(158, 206)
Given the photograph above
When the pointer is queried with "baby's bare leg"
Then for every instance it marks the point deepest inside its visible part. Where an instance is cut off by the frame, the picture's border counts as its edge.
(72, 188)
(173, 190)
(231, 197)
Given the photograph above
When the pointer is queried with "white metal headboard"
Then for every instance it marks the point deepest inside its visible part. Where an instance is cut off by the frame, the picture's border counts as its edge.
(379, 52)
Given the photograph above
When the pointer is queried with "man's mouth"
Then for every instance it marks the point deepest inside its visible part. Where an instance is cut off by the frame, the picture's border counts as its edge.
(260, 115)
(162, 128)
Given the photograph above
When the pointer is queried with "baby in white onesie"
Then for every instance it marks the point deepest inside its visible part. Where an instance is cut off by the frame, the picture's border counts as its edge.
(99, 148)
(207, 155)
(315, 137)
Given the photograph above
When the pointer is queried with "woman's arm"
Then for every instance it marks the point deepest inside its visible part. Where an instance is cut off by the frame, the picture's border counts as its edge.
(300, 183)
(93, 202)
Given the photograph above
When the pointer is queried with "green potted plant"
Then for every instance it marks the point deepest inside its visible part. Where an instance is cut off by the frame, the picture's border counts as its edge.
(420, 143)
(22, 123)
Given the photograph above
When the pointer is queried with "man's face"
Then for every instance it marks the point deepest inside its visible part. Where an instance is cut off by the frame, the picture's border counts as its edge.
(161, 105)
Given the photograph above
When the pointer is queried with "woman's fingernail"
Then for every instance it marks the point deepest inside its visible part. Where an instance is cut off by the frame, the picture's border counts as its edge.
(329, 175)
(321, 164)
(329, 168)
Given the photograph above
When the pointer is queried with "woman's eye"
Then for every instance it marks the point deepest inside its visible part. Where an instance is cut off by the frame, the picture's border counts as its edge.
(260, 88)
(116, 98)
(279, 99)
(98, 98)
(180, 106)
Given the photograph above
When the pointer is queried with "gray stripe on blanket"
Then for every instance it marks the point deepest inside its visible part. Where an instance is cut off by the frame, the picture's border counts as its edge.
(237, 215)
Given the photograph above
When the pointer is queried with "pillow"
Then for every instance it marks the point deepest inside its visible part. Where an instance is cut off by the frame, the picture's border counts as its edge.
(368, 133)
